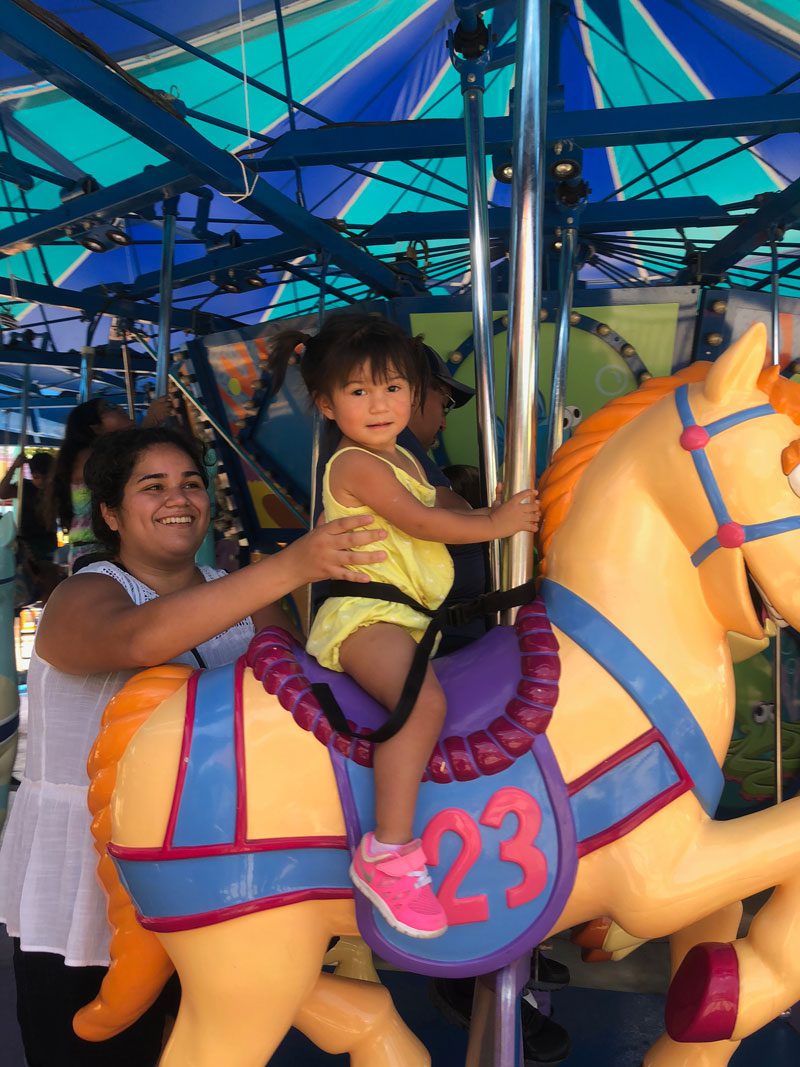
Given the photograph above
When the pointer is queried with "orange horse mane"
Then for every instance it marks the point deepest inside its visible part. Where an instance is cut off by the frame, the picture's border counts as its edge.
(559, 481)
(139, 965)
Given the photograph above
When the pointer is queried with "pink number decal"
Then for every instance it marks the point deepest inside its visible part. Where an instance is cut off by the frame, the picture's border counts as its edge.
(520, 849)
(459, 910)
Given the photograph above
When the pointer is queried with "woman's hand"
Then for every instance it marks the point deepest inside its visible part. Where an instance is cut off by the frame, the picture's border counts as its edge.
(519, 513)
(327, 551)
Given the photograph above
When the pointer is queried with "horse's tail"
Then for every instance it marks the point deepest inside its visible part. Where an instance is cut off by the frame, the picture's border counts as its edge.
(139, 965)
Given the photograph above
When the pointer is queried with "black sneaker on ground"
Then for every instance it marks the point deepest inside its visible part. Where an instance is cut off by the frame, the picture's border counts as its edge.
(545, 1043)
(547, 974)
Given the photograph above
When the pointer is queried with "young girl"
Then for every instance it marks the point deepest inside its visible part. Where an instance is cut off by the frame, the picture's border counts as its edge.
(364, 374)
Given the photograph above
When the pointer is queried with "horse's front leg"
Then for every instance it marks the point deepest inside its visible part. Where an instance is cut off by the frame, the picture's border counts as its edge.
(723, 925)
(725, 989)
(350, 1015)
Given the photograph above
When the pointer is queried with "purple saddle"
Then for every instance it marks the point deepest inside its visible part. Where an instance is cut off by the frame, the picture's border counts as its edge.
(501, 691)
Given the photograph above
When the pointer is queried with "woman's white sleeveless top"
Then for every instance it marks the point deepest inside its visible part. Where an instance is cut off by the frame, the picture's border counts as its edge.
(49, 895)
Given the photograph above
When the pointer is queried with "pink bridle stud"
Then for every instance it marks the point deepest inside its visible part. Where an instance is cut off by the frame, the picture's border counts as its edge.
(694, 438)
(731, 535)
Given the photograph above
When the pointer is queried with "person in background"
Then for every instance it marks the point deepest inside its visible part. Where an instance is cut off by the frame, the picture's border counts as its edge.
(465, 481)
(35, 531)
(147, 603)
(69, 500)
(37, 540)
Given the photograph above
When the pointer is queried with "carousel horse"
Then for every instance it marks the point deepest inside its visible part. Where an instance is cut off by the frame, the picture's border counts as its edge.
(577, 774)
(9, 693)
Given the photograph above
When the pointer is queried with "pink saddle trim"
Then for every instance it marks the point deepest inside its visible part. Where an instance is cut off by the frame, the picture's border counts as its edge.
(273, 660)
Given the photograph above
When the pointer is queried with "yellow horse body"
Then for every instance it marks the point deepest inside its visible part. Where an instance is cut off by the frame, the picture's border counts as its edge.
(624, 511)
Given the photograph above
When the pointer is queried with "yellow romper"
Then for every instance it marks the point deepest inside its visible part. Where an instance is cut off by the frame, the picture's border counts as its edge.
(421, 569)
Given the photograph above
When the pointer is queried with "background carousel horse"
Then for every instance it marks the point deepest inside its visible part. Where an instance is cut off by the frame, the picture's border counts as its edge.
(9, 693)
(230, 833)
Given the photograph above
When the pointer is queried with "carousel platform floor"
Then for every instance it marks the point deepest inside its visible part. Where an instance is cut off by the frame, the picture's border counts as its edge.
(609, 1028)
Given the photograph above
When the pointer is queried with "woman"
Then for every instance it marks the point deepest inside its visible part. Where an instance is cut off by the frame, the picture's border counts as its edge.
(69, 498)
(150, 605)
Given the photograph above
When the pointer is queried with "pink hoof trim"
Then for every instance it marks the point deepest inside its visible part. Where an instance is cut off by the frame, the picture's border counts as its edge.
(694, 438)
(731, 535)
(703, 998)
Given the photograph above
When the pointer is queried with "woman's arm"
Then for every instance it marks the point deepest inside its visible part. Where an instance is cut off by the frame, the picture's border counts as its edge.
(371, 482)
(91, 625)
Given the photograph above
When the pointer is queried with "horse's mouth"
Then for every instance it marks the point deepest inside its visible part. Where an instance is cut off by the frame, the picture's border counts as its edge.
(769, 617)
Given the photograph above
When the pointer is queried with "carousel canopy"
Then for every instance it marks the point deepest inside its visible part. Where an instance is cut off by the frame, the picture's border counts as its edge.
(315, 150)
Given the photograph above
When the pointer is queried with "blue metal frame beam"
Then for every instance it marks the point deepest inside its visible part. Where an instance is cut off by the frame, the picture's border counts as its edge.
(132, 194)
(98, 302)
(770, 29)
(83, 77)
(253, 254)
(610, 217)
(65, 403)
(36, 146)
(21, 356)
(444, 138)
(780, 209)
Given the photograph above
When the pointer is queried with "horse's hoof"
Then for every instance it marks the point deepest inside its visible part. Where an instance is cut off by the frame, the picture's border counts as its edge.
(703, 998)
(591, 935)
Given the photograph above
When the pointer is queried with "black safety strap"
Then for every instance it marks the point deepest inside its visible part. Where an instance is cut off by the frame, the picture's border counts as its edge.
(454, 615)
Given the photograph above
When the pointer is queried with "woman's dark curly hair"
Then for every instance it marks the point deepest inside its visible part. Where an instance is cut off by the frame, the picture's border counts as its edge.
(111, 464)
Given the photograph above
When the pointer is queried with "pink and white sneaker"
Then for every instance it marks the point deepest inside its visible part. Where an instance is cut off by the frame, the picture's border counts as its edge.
(397, 883)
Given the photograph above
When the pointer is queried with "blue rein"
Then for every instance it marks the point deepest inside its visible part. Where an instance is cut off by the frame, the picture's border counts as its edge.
(729, 534)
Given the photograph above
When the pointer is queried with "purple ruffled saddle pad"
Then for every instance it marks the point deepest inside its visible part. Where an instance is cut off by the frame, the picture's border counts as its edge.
(493, 812)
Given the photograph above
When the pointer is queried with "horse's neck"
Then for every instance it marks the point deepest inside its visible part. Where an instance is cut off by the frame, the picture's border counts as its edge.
(623, 557)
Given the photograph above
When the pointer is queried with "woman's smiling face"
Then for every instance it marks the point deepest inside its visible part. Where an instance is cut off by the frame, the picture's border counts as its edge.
(165, 510)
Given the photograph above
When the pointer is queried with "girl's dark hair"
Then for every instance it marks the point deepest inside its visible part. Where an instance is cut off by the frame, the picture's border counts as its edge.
(345, 341)
(80, 434)
(111, 464)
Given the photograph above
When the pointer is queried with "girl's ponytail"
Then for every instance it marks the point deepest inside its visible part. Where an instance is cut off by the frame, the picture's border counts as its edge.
(285, 347)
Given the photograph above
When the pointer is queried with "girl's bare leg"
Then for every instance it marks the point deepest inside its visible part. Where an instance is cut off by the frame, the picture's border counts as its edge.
(378, 658)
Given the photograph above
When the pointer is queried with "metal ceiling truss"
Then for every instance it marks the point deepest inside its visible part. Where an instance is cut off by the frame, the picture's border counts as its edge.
(194, 162)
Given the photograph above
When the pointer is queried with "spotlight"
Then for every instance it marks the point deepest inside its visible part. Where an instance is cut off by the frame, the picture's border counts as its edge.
(92, 244)
(117, 234)
(255, 281)
(564, 169)
(714, 340)
(227, 282)
(502, 169)
(558, 244)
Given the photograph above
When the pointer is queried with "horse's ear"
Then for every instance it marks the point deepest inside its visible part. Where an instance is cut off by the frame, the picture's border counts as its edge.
(738, 368)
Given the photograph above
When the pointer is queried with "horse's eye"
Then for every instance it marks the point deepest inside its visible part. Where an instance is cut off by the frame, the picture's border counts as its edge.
(794, 481)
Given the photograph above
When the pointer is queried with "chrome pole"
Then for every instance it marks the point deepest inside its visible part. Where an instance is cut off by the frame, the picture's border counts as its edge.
(165, 290)
(566, 285)
(776, 679)
(480, 267)
(530, 111)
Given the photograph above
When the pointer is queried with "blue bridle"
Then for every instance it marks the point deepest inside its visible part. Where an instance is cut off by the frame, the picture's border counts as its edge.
(694, 439)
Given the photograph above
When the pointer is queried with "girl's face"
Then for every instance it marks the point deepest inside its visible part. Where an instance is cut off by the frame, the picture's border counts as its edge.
(371, 413)
(165, 508)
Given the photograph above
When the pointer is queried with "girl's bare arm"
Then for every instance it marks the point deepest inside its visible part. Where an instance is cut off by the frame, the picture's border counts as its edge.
(370, 481)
